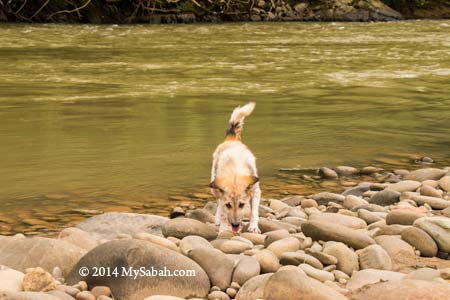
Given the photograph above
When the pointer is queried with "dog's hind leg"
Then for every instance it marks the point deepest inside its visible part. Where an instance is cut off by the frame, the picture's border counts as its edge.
(254, 204)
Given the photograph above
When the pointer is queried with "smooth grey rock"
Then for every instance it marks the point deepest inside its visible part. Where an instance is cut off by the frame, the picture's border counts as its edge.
(23, 253)
(110, 225)
(136, 254)
(374, 257)
(216, 264)
(438, 228)
(347, 221)
(248, 267)
(327, 173)
(385, 197)
(326, 231)
(433, 202)
(297, 258)
(347, 259)
(324, 198)
(346, 171)
(405, 186)
(420, 240)
(352, 201)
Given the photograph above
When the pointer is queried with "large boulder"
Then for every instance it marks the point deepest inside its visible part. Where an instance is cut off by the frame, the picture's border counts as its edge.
(23, 253)
(406, 289)
(131, 254)
(110, 225)
(374, 257)
(403, 216)
(438, 228)
(420, 240)
(182, 227)
(326, 231)
(291, 283)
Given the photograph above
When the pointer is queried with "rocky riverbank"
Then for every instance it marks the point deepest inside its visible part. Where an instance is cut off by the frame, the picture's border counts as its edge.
(388, 237)
(191, 11)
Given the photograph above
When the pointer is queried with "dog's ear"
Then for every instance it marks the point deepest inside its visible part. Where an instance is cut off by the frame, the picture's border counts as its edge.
(213, 185)
(252, 181)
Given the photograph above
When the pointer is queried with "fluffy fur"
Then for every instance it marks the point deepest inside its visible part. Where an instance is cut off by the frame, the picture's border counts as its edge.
(234, 177)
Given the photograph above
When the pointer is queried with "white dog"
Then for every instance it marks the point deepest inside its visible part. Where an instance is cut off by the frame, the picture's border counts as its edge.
(234, 178)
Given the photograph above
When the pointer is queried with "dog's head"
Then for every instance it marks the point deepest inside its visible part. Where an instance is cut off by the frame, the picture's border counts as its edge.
(234, 194)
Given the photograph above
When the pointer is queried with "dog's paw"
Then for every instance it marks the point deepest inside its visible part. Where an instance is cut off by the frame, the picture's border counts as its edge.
(253, 229)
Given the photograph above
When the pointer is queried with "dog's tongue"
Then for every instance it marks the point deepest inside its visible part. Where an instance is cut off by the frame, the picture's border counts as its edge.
(235, 228)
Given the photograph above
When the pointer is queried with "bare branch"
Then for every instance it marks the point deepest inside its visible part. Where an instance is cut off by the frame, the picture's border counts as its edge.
(39, 10)
(69, 11)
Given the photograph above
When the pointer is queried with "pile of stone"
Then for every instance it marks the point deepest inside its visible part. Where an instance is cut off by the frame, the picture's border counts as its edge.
(385, 238)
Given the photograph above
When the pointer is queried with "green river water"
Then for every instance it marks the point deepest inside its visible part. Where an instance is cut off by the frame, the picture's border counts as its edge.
(115, 117)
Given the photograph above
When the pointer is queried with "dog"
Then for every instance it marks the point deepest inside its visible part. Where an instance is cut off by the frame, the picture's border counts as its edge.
(234, 177)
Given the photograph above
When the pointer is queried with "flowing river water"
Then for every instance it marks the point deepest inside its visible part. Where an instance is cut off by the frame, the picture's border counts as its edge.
(125, 118)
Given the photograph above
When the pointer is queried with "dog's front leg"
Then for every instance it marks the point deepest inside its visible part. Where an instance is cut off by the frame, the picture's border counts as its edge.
(218, 212)
(254, 205)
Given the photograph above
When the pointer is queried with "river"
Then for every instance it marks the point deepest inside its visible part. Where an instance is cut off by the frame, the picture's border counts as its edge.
(126, 117)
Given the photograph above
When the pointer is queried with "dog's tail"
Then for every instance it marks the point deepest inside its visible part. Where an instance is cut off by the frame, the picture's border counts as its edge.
(237, 121)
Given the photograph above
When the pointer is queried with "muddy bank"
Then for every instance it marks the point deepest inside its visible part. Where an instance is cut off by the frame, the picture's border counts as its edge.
(191, 11)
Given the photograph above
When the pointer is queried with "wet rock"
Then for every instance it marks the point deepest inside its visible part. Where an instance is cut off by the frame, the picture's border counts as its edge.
(10, 280)
(268, 261)
(288, 244)
(347, 259)
(316, 273)
(47, 253)
(433, 202)
(78, 238)
(297, 258)
(404, 289)
(156, 240)
(216, 264)
(438, 228)
(293, 201)
(201, 215)
(385, 197)
(403, 216)
(353, 201)
(248, 267)
(347, 221)
(371, 276)
(192, 242)
(182, 227)
(405, 186)
(425, 174)
(135, 254)
(326, 231)
(38, 280)
(109, 225)
(358, 190)
(374, 257)
(444, 183)
(291, 283)
(324, 198)
(346, 171)
(253, 289)
(327, 173)
(420, 240)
